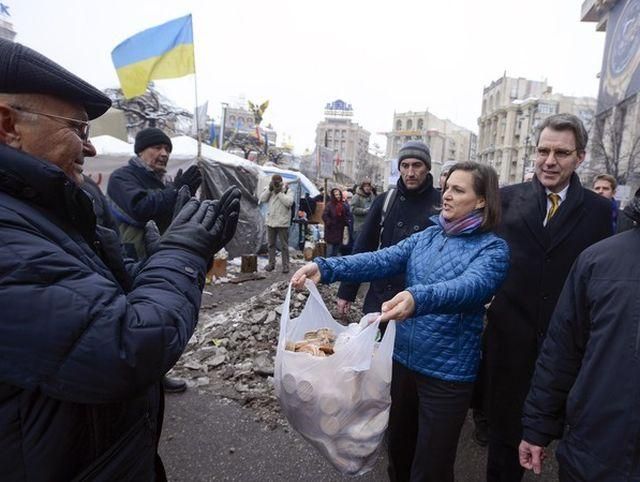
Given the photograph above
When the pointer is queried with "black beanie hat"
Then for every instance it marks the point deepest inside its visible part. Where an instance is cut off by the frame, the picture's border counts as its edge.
(151, 136)
(417, 150)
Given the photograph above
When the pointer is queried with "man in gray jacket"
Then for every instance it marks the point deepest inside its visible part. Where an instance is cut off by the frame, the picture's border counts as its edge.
(360, 205)
(278, 220)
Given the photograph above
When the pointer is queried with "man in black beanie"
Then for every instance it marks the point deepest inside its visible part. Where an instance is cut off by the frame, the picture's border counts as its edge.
(139, 192)
(84, 340)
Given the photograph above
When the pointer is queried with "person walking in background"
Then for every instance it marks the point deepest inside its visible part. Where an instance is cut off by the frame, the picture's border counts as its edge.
(279, 200)
(403, 210)
(336, 218)
(444, 173)
(605, 185)
(452, 269)
(629, 217)
(547, 222)
(140, 191)
(360, 205)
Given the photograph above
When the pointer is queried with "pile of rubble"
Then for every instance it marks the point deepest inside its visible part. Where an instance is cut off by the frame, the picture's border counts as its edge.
(236, 348)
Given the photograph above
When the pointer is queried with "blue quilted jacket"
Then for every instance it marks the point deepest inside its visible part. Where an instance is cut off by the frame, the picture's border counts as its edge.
(451, 278)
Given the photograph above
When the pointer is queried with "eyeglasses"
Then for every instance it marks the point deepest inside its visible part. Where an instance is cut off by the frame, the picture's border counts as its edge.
(80, 127)
(559, 154)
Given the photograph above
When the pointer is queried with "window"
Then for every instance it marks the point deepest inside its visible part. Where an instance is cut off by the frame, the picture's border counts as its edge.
(420, 124)
(398, 125)
(546, 109)
(409, 124)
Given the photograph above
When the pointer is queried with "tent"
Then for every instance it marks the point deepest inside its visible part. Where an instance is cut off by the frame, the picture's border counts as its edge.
(220, 170)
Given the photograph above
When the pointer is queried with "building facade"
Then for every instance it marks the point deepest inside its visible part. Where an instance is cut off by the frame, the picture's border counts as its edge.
(446, 140)
(512, 109)
(615, 145)
(241, 120)
(348, 140)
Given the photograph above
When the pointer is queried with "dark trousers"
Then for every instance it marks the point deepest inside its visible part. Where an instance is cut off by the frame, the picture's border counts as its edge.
(283, 235)
(424, 425)
(503, 464)
(333, 250)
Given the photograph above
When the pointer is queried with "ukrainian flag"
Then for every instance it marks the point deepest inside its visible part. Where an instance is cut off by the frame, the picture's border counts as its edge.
(162, 52)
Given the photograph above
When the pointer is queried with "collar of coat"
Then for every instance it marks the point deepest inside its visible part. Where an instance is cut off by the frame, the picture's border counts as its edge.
(533, 209)
(40, 183)
(427, 186)
(138, 163)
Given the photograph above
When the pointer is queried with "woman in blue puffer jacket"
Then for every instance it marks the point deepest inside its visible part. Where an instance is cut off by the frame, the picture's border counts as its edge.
(452, 270)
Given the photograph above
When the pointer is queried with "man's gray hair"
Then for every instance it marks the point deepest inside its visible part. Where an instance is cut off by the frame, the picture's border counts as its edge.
(566, 122)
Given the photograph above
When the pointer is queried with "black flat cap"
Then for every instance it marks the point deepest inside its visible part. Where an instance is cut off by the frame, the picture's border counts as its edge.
(25, 71)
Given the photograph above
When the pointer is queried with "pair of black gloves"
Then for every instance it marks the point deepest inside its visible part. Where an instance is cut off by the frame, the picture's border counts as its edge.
(192, 178)
(202, 228)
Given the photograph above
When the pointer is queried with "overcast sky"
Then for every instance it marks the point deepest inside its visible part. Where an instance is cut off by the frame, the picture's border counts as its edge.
(380, 56)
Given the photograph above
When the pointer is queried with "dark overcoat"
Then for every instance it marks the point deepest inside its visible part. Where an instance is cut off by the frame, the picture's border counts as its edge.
(541, 258)
(81, 355)
(585, 389)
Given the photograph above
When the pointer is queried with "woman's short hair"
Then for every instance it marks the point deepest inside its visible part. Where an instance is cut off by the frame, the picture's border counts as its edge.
(485, 184)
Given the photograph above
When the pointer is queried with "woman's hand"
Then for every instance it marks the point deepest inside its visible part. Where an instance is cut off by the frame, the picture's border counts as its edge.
(398, 308)
(308, 271)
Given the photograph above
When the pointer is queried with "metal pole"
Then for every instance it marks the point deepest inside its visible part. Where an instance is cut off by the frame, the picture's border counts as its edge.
(195, 86)
(223, 125)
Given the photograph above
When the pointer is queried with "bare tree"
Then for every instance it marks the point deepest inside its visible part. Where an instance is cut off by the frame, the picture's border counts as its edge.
(151, 109)
(613, 149)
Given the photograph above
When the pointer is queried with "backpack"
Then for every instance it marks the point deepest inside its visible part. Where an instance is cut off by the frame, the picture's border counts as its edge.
(389, 199)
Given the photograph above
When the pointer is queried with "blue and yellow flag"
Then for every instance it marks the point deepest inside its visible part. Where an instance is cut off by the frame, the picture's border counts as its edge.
(162, 52)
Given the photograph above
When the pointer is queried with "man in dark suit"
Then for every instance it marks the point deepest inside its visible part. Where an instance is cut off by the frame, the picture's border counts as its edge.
(547, 222)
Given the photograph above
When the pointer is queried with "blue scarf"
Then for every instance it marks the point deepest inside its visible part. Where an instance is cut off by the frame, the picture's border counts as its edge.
(467, 224)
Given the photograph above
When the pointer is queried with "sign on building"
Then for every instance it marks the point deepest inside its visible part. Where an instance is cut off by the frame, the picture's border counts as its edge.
(621, 61)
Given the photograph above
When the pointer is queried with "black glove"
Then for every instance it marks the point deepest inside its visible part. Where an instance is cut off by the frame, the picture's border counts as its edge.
(271, 186)
(191, 177)
(184, 194)
(151, 231)
(198, 229)
(230, 211)
(151, 238)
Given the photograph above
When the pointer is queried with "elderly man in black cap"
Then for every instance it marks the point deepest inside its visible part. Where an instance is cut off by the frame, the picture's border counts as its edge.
(84, 339)
(139, 192)
(402, 211)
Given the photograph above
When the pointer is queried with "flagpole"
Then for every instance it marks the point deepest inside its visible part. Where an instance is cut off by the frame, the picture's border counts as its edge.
(195, 87)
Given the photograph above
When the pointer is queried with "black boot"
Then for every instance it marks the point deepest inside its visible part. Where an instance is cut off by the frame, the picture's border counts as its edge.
(173, 385)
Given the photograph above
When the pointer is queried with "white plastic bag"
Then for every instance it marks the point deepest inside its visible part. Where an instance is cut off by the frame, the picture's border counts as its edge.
(339, 403)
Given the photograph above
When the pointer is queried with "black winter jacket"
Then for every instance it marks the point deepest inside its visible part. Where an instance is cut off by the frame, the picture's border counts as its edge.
(541, 258)
(139, 196)
(81, 356)
(588, 371)
(409, 214)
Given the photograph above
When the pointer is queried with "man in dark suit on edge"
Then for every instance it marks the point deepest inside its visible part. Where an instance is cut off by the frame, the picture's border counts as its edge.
(547, 222)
